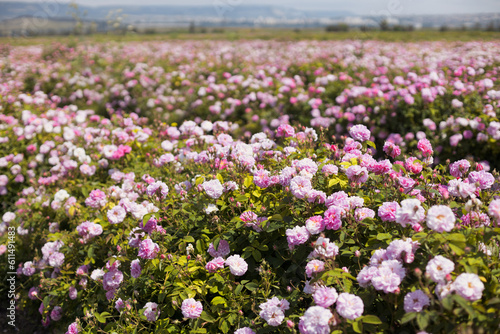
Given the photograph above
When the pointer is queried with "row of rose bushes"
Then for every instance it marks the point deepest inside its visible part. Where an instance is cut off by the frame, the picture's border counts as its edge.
(127, 227)
(446, 92)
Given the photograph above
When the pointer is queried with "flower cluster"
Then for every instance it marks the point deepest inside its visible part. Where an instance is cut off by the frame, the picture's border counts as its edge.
(148, 189)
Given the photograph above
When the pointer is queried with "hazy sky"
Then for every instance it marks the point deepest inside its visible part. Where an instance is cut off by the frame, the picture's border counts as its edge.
(363, 7)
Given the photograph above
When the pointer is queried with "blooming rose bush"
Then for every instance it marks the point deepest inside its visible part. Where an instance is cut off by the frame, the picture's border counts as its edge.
(182, 212)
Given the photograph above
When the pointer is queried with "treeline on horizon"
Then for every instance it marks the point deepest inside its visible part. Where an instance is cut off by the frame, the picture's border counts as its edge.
(192, 29)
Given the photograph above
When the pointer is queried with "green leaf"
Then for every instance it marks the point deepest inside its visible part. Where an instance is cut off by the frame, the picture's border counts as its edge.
(188, 238)
(241, 198)
(232, 318)
(100, 318)
(238, 289)
(397, 168)
(456, 238)
(370, 143)
(252, 286)
(90, 252)
(277, 217)
(357, 326)
(199, 180)
(407, 317)
(200, 245)
(384, 236)
(146, 218)
(216, 243)
(207, 317)
(219, 177)
(464, 304)
(85, 192)
(189, 292)
(256, 255)
(447, 303)
(422, 320)
(457, 249)
(248, 181)
(332, 273)
(371, 319)
(333, 182)
(219, 301)
(345, 164)
(224, 327)
(46, 302)
(494, 300)
(418, 236)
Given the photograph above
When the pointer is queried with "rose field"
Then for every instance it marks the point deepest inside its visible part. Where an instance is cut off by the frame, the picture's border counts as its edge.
(250, 187)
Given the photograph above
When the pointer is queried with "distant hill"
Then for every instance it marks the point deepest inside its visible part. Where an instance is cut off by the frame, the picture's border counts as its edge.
(9, 10)
(49, 16)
